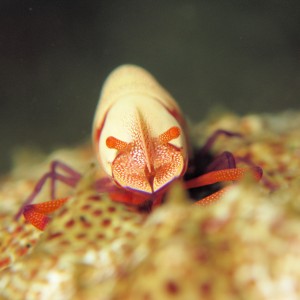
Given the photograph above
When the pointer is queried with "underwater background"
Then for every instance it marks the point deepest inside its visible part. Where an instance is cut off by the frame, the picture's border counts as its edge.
(54, 55)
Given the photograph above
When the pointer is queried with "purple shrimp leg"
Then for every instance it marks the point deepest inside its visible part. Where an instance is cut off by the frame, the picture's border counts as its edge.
(202, 156)
(105, 185)
(212, 139)
(70, 178)
(266, 182)
(226, 160)
(223, 161)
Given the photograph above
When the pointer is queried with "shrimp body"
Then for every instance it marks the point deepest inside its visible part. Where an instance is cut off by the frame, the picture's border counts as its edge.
(138, 131)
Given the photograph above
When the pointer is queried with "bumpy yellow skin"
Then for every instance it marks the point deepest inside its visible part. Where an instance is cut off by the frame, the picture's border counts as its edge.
(244, 247)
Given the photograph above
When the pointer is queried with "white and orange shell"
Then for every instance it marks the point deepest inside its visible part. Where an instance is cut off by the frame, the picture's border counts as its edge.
(138, 131)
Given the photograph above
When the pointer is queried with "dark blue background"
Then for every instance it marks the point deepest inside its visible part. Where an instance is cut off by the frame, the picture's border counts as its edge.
(54, 56)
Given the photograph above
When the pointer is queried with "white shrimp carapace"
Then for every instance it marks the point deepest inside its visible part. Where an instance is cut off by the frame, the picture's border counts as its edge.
(138, 131)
